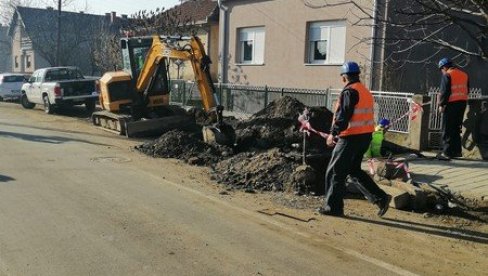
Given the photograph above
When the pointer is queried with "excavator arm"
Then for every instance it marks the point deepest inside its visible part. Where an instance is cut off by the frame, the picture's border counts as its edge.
(193, 52)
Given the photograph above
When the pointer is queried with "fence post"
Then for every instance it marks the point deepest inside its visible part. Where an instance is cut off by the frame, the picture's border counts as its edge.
(220, 93)
(282, 92)
(265, 96)
(184, 93)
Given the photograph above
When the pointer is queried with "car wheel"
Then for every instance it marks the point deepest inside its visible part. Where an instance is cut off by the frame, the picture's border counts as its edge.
(90, 105)
(48, 108)
(25, 102)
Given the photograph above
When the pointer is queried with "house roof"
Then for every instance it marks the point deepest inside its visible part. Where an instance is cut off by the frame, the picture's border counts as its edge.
(33, 18)
(3, 33)
(198, 11)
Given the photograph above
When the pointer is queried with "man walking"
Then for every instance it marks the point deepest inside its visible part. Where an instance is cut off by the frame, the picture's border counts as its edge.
(351, 131)
(452, 104)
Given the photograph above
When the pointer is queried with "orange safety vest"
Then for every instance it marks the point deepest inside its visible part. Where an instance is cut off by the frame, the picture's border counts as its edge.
(362, 120)
(459, 85)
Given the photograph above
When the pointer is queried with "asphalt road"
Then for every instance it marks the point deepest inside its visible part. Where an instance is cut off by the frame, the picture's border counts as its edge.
(77, 201)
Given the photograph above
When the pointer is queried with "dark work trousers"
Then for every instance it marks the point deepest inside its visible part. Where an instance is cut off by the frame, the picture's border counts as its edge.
(452, 122)
(346, 160)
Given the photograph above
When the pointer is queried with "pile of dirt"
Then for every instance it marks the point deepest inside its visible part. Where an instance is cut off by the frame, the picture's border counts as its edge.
(285, 107)
(277, 126)
(264, 158)
(266, 171)
(184, 145)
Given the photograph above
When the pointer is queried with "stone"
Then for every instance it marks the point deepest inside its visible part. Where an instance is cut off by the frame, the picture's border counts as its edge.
(400, 198)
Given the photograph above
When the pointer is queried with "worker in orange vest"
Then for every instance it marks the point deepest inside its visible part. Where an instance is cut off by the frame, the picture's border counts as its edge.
(351, 134)
(452, 104)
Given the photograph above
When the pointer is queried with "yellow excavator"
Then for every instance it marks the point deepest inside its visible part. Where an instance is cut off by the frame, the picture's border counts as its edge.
(135, 101)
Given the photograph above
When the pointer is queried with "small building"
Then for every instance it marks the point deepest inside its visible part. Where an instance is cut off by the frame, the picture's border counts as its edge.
(34, 38)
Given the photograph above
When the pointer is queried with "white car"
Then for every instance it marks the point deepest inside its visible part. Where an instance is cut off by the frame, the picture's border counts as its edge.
(11, 85)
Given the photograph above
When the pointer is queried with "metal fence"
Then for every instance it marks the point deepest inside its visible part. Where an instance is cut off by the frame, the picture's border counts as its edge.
(247, 100)
(390, 105)
(244, 99)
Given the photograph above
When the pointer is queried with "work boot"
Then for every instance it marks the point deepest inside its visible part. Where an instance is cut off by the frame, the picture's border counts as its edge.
(326, 211)
(442, 156)
(383, 204)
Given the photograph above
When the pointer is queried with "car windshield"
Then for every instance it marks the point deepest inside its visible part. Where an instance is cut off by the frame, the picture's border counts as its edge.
(63, 74)
(13, 79)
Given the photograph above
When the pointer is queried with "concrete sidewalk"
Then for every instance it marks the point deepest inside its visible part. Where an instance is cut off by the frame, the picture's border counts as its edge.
(467, 177)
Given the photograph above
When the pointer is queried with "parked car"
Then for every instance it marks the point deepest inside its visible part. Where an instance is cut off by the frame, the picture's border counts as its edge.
(11, 85)
(59, 86)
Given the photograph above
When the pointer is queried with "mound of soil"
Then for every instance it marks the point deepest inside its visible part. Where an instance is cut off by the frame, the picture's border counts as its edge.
(187, 146)
(266, 133)
(266, 171)
(264, 144)
(277, 126)
(285, 107)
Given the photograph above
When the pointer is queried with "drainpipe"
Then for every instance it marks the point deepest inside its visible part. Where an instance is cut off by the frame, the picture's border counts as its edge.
(222, 76)
(373, 43)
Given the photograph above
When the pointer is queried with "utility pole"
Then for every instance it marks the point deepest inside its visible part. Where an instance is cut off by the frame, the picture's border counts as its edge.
(58, 42)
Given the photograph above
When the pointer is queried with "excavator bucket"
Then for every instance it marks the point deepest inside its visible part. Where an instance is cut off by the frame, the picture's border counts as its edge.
(222, 134)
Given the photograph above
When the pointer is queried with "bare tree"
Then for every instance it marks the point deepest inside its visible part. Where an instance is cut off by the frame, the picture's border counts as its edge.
(460, 26)
(105, 50)
(7, 8)
(162, 21)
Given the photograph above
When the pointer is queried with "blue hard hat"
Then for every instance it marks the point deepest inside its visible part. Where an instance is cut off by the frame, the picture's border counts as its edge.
(350, 67)
(384, 122)
(444, 62)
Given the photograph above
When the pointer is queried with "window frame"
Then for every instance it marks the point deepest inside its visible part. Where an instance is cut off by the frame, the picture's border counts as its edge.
(240, 45)
(328, 24)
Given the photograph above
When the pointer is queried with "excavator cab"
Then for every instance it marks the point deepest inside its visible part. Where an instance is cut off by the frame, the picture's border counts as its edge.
(136, 100)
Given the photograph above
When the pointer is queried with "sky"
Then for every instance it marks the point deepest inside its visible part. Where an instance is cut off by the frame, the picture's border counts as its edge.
(120, 6)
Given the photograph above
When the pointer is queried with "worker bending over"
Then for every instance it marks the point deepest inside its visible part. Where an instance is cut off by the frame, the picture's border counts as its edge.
(352, 127)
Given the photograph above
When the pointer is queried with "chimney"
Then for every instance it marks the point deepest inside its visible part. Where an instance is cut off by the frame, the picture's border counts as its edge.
(113, 17)
(125, 16)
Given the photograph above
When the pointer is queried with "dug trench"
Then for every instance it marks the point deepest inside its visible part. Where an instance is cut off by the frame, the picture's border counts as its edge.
(268, 156)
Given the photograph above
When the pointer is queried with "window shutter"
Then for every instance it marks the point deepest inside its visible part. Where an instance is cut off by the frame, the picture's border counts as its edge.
(259, 37)
(337, 44)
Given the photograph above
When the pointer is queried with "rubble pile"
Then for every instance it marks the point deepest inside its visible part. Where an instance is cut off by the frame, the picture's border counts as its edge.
(263, 158)
(184, 145)
(265, 171)
(285, 107)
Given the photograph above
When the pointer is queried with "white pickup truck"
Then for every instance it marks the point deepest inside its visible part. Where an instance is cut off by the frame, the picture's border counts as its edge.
(59, 86)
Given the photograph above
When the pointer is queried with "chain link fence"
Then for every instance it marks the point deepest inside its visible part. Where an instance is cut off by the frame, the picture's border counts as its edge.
(243, 99)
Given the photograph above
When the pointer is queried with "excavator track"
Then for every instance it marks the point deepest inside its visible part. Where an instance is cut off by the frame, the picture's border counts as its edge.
(111, 122)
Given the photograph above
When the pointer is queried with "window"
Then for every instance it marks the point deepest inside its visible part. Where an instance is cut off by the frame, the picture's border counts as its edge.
(327, 42)
(251, 45)
(33, 78)
(13, 78)
(27, 61)
(16, 62)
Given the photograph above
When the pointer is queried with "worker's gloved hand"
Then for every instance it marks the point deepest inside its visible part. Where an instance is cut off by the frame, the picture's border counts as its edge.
(331, 140)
